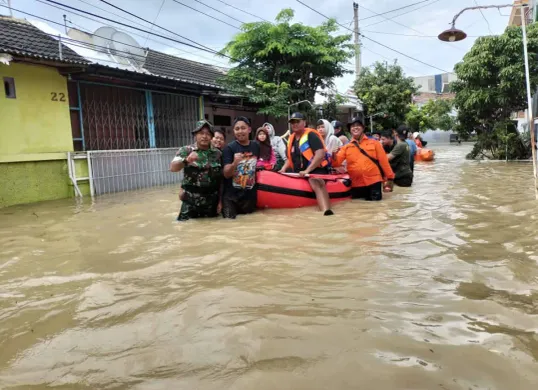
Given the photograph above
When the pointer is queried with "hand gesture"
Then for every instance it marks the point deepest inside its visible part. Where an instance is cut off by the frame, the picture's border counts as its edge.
(303, 173)
(192, 157)
(237, 158)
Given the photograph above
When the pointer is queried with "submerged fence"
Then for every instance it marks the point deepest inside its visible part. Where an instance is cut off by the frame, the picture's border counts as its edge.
(112, 171)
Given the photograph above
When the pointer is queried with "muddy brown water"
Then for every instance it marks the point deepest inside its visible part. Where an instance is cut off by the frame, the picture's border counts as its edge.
(434, 288)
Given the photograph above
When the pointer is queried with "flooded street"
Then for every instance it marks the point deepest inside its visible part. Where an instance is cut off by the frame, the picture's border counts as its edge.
(433, 288)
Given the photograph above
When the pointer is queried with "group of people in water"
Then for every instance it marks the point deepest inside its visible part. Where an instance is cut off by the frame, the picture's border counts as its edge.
(221, 179)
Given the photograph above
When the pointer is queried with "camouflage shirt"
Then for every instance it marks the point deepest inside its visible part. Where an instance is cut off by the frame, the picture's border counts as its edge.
(205, 174)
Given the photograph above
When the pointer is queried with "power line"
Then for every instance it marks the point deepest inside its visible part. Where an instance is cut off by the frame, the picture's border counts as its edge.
(202, 47)
(242, 10)
(203, 13)
(394, 21)
(403, 13)
(156, 17)
(122, 29)
(374, 41)
(220, 12)
(411, 28)
(411, 35)
(484, 16)
(394, 10)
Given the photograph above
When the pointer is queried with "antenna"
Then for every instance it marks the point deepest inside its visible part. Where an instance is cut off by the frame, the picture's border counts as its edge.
(123, 43)
(121, 47)
(102, 39)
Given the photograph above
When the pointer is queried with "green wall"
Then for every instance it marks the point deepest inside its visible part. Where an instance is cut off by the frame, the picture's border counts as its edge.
(34, 181)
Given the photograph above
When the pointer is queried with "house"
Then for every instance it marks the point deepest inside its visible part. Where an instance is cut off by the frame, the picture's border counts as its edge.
(433, 87)
(35, 129)
(96, 113)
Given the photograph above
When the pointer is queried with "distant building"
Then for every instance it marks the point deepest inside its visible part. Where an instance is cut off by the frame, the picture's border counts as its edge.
(433, 87)
(530, 13)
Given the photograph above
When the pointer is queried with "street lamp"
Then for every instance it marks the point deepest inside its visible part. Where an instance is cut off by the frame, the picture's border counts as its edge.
(455, 35)
(372, 120)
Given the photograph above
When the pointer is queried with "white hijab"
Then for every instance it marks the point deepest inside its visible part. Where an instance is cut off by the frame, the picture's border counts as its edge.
(332, 142)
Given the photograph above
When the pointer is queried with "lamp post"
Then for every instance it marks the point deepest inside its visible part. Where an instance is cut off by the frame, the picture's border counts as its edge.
(455, 35)
(372, 120)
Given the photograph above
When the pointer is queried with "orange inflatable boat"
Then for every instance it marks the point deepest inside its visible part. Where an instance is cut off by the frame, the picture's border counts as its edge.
(287, 190)
(424, 155)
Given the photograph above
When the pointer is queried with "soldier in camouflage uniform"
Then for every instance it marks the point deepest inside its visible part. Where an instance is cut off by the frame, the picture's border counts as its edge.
(202, 166)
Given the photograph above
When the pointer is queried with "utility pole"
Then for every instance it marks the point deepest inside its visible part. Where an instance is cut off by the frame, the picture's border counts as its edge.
(357, 40)
(65, 24)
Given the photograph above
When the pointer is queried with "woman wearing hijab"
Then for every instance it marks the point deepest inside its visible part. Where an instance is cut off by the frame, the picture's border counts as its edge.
(278, 145)
(326, 130)
(267, 159)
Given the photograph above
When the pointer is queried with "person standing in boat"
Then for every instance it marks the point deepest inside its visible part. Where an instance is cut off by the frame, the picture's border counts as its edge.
(202, 175)
(326, 130)
(267, 158)
(240, 158)
(367, 164)
(278, 145)
(307, 154)
(339, 131)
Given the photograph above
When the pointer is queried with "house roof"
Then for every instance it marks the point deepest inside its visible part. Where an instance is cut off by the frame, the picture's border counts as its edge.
(18, 37)
(169, 66)
(38, 40)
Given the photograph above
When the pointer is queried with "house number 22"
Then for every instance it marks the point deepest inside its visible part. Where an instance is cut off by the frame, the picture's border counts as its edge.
(57, 97)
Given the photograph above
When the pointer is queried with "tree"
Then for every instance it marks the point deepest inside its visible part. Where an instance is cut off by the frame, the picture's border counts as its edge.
(491, 86)
(283, 62)
(385, 89)
(435, 114)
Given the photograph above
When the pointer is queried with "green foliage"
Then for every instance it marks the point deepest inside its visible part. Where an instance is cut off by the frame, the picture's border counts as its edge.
(435, 114)
(329, 109)
(385, 89)
(283, 62)
(491, 86)
(504, 142)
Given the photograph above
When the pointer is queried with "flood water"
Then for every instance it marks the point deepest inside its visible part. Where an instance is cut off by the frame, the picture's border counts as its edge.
(434, 288)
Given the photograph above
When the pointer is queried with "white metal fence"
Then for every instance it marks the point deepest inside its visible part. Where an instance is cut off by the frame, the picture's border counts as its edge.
(112, 171)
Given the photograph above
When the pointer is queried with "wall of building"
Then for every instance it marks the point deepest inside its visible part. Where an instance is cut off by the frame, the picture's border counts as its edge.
(37, 120)
(35, 134)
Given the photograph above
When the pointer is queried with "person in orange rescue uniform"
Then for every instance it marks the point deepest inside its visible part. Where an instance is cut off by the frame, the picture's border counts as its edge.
(367, 163)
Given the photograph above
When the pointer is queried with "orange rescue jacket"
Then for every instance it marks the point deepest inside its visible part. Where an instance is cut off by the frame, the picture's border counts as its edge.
(306, 150)
(363, 171)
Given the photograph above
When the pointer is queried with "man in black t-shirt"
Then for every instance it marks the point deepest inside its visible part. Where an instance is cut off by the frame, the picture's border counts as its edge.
(307, 155)
(239, 159)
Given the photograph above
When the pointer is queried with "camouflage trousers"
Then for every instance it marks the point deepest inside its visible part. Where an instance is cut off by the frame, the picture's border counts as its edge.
(197, 205)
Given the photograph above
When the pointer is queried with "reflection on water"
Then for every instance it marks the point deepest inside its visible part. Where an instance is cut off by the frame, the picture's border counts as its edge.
(434, 288)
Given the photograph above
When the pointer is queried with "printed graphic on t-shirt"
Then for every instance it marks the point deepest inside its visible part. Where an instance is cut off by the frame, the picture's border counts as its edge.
(245, 174)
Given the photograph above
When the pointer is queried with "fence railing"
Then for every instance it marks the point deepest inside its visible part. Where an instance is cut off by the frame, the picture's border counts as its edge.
(112, 171)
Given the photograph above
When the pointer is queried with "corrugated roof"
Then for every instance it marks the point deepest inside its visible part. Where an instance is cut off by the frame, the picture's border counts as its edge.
(165, 65)
(22, 38)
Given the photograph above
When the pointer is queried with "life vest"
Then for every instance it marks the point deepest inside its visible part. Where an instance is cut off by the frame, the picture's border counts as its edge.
(305, 148)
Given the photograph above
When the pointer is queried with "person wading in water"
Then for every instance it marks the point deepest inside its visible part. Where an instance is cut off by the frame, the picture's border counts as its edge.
(307, 154)
(240, 158)
(202, 175)
(367, 163)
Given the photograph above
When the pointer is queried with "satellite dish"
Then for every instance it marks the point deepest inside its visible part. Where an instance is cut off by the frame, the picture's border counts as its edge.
(127, 50)
(102, 39)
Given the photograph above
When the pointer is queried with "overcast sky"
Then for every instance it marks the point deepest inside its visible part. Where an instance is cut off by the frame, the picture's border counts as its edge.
(412, 30)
